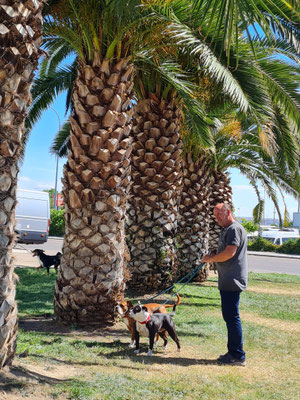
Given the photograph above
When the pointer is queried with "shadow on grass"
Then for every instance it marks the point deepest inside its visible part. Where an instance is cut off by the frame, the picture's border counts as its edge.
(51, 327)
(18, 378)
(200, 304)
(8, 385)
(66, 362)
(25, 373)
(156, 358)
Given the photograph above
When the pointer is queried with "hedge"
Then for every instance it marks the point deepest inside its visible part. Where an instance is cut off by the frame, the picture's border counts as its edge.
(57, 223)
(289, 247)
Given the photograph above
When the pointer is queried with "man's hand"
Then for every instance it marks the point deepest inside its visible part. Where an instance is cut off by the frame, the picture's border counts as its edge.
(225, 255)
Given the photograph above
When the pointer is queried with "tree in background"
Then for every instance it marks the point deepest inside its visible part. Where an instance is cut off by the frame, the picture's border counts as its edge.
(20, 39)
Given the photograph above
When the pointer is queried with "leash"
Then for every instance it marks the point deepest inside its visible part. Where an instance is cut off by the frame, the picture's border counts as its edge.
(22, 248)
(190, 276)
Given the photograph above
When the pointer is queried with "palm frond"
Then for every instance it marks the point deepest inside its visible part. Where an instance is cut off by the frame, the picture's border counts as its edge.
(61, 140)
(46, 89)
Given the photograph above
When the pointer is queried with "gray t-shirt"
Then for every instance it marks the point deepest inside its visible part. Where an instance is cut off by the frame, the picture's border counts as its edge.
(233, 273)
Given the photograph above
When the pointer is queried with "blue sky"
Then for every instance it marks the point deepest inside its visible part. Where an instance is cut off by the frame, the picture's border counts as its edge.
(38, 169)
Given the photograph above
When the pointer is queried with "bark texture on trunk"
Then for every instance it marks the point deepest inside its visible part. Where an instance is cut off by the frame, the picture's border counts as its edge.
(153, 204)
(194, 219)
(221, 192)
(95, 188)
(20, 38)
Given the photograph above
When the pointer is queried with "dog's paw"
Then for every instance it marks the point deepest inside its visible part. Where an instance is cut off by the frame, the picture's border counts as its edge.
(165, 347)
(131, 346)
(136, 351)
(149, 354)
(178, 350)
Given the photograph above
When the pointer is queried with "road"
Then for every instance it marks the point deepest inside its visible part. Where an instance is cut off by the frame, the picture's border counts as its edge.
(256, 263)
(274, 264)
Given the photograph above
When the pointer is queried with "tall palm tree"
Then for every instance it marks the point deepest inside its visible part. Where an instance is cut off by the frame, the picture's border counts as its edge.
(267, 85)
(20, 38)
(98, 41)
(164, 99)
(258, 167)
(97, 174)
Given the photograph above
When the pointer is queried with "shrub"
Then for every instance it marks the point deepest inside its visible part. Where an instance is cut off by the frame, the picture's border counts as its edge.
(57, 223)
(249, 225)
(292, 246)
(260, 244)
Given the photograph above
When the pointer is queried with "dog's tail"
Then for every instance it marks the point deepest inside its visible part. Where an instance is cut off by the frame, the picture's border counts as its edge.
(174, 305)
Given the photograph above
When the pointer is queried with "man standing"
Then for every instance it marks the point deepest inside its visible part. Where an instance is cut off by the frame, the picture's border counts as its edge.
(231, 262)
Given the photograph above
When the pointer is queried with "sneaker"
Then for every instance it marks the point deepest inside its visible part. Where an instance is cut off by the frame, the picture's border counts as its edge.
(222, 355)
(227, 359)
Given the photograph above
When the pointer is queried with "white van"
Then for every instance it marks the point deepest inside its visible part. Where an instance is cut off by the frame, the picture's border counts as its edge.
(280, 236)
(33, 216)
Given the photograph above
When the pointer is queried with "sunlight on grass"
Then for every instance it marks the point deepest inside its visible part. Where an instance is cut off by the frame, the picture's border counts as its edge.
(101, 366)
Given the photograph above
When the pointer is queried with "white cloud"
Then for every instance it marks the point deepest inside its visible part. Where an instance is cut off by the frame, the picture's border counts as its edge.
(24, 179)
(30, 184)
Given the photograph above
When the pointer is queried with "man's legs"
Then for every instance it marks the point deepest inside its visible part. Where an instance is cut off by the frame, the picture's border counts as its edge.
(230, 312)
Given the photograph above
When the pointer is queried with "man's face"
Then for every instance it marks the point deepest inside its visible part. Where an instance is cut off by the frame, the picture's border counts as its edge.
(221, 215)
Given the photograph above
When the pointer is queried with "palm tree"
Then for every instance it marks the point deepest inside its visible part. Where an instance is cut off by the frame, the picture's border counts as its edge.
(165, 97)
(97, 174)
(20, 37)
(261, 82)
(94, 43)
(258, 166)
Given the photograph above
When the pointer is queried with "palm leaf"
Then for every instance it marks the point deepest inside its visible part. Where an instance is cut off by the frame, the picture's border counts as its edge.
(61, 140)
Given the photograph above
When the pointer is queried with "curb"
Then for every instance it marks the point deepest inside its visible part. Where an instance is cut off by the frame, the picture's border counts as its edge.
(278, 255)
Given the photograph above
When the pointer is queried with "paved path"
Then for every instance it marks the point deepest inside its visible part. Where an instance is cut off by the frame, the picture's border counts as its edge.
(258, 261)
(272, 262)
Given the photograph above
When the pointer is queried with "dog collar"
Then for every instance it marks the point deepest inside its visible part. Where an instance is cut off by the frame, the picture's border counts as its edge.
(148, 319)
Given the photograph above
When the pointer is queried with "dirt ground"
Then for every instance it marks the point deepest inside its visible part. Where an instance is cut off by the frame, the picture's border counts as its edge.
(36, 375)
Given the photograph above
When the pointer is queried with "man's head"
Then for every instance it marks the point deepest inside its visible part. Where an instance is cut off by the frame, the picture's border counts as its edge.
(223, 215)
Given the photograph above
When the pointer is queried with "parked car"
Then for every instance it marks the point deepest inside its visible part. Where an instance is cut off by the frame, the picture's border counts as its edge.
(33, 216)
(280, 236)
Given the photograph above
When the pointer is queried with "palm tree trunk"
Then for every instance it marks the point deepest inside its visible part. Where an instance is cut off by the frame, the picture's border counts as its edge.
(194, 220)
(20, 37)
(221, 192)
(95, 188)
(153, 204)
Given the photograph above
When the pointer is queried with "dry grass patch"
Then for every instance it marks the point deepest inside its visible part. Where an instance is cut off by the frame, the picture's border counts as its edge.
(285, 326)
(288, 291)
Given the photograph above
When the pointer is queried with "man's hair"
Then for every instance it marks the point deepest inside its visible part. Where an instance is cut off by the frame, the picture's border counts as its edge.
(226, 205)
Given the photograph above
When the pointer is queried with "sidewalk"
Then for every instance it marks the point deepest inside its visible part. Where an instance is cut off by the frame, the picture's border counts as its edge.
(24, 259)
(269, 254)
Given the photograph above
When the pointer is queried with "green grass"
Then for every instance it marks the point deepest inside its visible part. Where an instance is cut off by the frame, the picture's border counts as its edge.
(35, 292)
(107, 369)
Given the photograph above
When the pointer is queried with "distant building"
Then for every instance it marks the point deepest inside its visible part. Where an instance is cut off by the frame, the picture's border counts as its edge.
(265, 221)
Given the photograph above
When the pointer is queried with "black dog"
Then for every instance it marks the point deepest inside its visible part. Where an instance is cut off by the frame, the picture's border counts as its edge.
(148, 324)
(47, 261)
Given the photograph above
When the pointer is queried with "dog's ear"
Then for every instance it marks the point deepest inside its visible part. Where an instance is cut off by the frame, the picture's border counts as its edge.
(144, 308)
(129, 304)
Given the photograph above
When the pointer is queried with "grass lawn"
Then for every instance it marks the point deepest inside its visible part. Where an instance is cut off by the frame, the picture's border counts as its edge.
(69, 363)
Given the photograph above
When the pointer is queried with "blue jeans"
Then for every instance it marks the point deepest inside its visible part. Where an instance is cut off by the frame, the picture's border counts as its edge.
(230, 312)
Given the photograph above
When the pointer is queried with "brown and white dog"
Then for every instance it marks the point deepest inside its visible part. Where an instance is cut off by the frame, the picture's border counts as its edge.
(150, 325)
(123, 308)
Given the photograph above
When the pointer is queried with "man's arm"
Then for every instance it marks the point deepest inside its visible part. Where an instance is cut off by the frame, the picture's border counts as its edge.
(225, 255)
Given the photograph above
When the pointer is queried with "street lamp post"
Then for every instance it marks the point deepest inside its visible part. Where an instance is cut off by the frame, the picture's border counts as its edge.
(56, 173)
